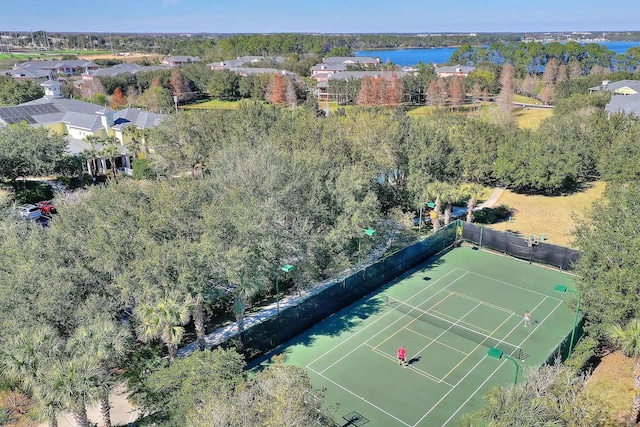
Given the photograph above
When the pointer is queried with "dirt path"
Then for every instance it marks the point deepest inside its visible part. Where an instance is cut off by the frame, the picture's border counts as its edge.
(122, 412)
(493, 198)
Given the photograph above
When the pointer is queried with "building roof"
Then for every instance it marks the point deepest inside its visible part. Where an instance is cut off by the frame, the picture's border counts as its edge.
(628, 104)
(624, 87)
(135, 116)
(27, 74)
(329, 67)
(361, 74)
(255, 70)
(75, 113)
(350, 60)
(53, 65)
(462, 69)
(182, 59)
(123, 69)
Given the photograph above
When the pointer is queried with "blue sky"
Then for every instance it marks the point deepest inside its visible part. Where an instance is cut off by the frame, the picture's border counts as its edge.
(322, 16)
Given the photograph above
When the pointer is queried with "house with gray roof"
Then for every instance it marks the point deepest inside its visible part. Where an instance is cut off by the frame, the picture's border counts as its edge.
(248, 71)
(621, 87)
(453, 70)
(180, 61)
(120, 69)
(243, 61)
(625, 97)
(352, 60)
(64, 67)
(338, 64)
(33, 75)
(79, 120)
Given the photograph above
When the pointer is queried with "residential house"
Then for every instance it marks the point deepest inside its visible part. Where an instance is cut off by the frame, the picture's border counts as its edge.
(625, 96)
(337, 64)
(66, 67)
(35, 75)
(247, 71)
(234, 63)
(453, 70)
(79, 120)
(179, 61)
(119, 69)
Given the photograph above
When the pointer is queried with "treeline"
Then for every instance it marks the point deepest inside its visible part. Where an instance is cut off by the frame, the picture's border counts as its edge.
(534, 56)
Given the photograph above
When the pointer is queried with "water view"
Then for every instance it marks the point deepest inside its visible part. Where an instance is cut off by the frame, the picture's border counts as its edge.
(441, 55)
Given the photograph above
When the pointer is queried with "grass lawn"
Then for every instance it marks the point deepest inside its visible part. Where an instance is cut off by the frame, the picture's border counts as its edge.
(532, 213)
(530, 118)
(612, 382)
(213, 104)
(526, 99)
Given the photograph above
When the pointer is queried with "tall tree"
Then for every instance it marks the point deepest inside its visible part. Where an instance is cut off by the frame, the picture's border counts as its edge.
(507, 87)
(118, 100)
(277, 91)
(608, 275)
(456, 88)
(163, 318)
(106, 343)
(111, 148)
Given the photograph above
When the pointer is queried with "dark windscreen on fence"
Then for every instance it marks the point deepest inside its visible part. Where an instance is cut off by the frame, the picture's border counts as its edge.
(521, 247)
(319, 305)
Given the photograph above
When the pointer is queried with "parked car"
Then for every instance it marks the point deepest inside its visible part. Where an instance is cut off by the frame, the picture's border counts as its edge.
(30, 211)
(47, 207)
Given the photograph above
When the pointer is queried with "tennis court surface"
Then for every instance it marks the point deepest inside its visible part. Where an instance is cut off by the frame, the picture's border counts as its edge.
(447, 313)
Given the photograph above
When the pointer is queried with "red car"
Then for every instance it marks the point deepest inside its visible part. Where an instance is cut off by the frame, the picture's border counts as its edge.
(46, 207)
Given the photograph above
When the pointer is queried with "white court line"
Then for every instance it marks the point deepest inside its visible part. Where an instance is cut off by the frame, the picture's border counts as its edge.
(379, 318)
(512, 285)
(419, 371)
(359, 397)
(388, 326)
(475, 366)
(470, 298)
(500, 365)
(447, 330)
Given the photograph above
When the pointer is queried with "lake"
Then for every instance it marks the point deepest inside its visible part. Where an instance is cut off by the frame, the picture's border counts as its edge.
(442, 54)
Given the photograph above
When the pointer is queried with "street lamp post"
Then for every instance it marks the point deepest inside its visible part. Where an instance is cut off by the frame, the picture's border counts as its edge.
(368, 232)
(563, 289)
(496, 353)
(287, 268)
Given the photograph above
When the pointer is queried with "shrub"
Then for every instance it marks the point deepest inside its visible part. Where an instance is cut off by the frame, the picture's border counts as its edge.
(492, 215)
(142, 169)
(40, 192)
(583, 354)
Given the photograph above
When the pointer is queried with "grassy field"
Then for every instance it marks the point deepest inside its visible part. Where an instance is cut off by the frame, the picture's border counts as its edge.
(526, 99)
(530, 118)
(532, 213)
(612, 381)
(214, 104)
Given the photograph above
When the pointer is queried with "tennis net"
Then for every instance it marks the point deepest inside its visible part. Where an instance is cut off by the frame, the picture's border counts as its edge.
(455, 328)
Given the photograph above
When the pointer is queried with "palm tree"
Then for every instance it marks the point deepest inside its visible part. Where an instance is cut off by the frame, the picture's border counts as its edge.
(72, 381)
(23, 360)
(627, 339)
(164, 319)
(111, 148)
(92, 153)
(472, 191)
(439, 191)
(104, 341)
(138, 139)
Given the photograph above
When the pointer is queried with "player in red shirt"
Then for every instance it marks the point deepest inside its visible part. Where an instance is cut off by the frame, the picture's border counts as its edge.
(402, 356)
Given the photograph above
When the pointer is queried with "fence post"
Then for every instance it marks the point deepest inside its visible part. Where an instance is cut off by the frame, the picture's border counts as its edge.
(480, 242)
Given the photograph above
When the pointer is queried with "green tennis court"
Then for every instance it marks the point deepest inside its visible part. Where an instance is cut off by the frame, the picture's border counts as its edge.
(447, 313)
